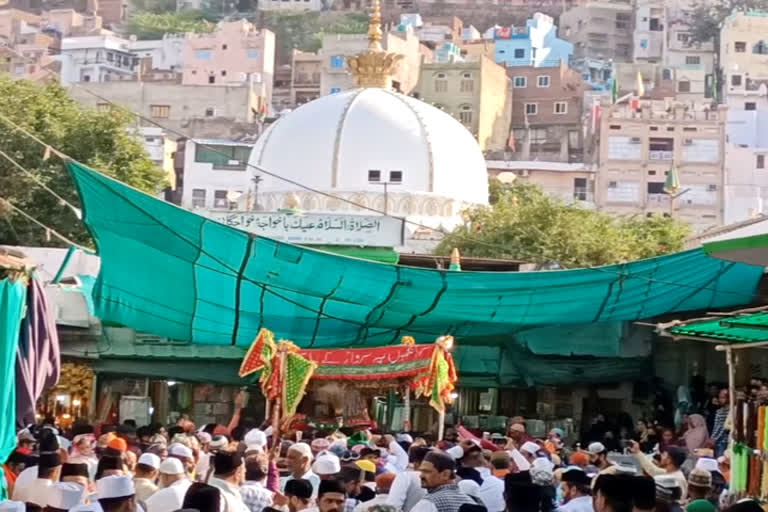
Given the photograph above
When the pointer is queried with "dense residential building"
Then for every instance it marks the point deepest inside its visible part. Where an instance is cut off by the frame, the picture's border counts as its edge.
(96, 59)
(476, 92)
(599, 29)
(281, 91)
(639, 147)
(215, 174)
(70, 23)
(294, 5)
(306, 73)
(535, 45)
(160, 148)
(194, 110)
(649, 31)
(166, 54)
(236, 52)
(336, 48)
(547, 108)
(689, 65)
(476, 48)
(744, 60)
(746, 165)
(573, 183)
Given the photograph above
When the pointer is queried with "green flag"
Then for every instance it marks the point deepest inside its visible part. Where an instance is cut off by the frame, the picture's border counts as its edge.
(672, 183)
(615, 90)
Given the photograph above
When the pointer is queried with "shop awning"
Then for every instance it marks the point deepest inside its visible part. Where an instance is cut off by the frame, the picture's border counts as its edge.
(170, 272)
(750, 249)
(742, 328)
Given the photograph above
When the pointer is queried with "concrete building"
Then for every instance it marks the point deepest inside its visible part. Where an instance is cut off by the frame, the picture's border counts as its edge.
(336, 48)
(194, 110)
(236, 52)
(160, 148)
(599, 29)
(596, 73)
(746, 165)
(295, 5)
(166, 54)
(215, 173)
(649, 31)
(573, 183)
(477, 48)
(14, 22)
(70, 23)
(477, 93)
(281, 92)
(689, 65)
(638, 150)
(96, 59)
(744, 60)
(547, 114)
(306, 75)
(535, 45)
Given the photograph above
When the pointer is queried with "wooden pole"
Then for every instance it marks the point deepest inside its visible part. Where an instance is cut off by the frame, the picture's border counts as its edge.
(278, 401)
(407, 409)
(440, 425)
(731, 389)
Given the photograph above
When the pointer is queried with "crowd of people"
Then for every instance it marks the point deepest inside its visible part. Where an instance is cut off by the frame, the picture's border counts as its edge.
(119, 468)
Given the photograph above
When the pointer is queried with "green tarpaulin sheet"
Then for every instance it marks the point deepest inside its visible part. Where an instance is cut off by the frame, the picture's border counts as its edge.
(736, 329)
(13, 294)
(170, 272)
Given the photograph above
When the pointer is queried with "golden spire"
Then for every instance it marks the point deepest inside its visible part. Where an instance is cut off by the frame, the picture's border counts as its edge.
(374, 67)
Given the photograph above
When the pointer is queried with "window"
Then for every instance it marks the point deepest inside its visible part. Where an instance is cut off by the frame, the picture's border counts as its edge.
(198, 198)
(210, 112)
(211, 79)
(224, 157)
(252, 54)
(223, 72)
(160, 111)
(441, 82)
(760, 162)
(740, 47)
(666, 74)
(574, 141)
(203, 54)
(760, 48)
(465, 114)
(467, 85)
(374, 176)
(337, 61)
(542, 81)
(736, 80)
(561, 107)
(395, 176)
(683, 86)
(655, 187)
(224, 47)
(520, 82)
(519, 53)
(335, 90)
(102, 107)
(654, 25)
(692, 60)
(580, 189)
(750, 105)
(711, 188)
(531, 109)
(683, 37)
(220, 199)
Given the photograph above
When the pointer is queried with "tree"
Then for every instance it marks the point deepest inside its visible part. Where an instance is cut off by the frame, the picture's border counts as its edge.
(524, 223)
(149, 25)
(100, 140)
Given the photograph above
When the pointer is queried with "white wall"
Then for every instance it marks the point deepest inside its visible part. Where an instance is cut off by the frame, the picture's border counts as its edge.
(199, 175)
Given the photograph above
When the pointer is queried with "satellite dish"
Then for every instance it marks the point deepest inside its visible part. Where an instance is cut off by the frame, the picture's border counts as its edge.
(233, 196)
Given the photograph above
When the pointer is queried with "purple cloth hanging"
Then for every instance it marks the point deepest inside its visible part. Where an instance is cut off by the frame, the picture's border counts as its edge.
(37, 359)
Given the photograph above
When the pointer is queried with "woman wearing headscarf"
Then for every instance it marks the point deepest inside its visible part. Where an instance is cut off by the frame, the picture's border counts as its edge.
(697, 434)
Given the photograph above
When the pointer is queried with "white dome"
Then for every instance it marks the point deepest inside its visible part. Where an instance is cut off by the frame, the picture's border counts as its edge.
(331, 143)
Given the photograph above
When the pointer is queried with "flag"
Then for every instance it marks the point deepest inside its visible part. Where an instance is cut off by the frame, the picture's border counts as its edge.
(260, 354)
(511, 141)
(640, 89)
(298, 371)
(439, 381)
(263, 112)
(672, 183)
(615, 90)
(595, 115)
(503, 33)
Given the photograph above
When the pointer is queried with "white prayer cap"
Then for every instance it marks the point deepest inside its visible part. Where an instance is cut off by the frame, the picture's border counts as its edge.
(326, 463)
(12, 506)
(530, 447)
(707, 463)
(204, 437)
(596, 448)
(543, 464)
(255, 437)
(219, 442)
(171, 466)
(469, 487)
(179, 450)
(303, 448)
(150, 459)
(65, 495)
(114, 486)
(404, 438)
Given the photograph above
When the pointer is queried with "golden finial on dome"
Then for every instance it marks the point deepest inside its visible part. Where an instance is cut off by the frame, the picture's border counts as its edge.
(374, 67)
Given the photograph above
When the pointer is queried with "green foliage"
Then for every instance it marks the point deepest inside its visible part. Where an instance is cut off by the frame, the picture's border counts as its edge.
(98, 139)
(706, 16)
(156, 6)
(524, 223)
(304, 31)
(151, 25)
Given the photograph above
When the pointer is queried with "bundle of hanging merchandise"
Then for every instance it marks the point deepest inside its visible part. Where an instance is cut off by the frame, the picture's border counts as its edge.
(749, 452)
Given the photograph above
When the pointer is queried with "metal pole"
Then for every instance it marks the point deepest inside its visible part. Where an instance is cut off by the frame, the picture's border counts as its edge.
(731, 389)
(440, 425)
(385, 197)
(407, 409)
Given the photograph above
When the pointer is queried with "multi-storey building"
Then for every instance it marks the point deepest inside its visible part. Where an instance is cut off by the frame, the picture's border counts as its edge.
(744, 60)
(306, 73)
(649, 31)
(166, 54)
(639, 148)
(746, 165)
(573, 183)
(599, 29)
(547, 107)
(236, 52)
(476, 92)
(97, 59)
(337, 47)
(535, 45)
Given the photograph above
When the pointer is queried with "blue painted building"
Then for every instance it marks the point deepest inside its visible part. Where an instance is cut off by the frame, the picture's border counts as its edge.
(534, 45)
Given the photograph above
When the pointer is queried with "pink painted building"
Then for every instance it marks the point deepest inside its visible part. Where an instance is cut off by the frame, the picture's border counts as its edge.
(236, 52)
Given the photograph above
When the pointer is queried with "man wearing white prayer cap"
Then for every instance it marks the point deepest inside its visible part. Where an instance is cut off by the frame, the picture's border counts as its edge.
(255, 440)
(146, 474)
(326, 465)
(116, 494)
(62, 496)
(174, 484)
(529, 451)
(707, 463)
(299, 461)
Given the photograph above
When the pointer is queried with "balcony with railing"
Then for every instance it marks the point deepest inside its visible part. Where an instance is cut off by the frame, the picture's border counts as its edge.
(660, 155)
(657, 201)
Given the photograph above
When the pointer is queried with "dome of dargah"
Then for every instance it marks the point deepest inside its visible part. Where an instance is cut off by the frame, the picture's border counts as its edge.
(351, 143)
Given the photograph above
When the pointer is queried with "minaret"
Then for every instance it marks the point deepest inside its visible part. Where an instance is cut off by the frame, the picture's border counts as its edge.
(374, 67)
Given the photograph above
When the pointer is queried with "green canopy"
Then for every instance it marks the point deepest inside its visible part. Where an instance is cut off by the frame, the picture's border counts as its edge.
(748, 249)
(747, 328)
(170, 272)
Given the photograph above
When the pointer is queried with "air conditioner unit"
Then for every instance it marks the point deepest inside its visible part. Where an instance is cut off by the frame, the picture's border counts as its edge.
(634, 140)
(687, 142)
